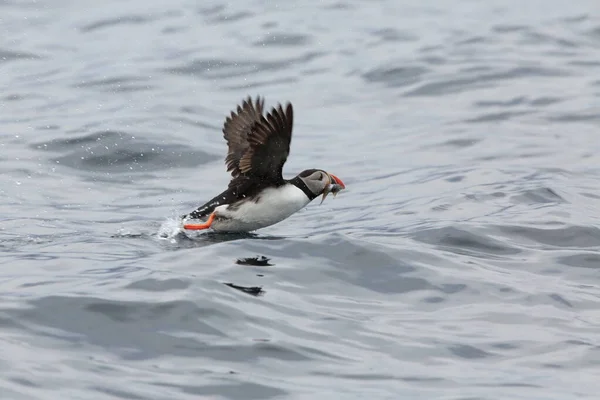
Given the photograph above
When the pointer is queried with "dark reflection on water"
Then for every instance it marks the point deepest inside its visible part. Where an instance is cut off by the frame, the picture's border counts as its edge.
(460, 263)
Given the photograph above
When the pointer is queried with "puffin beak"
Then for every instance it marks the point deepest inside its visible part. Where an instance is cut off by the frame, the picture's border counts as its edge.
(334, 186)
(337, 180)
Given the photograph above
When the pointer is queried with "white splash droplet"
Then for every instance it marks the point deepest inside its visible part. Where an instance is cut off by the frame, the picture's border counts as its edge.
(169, 229)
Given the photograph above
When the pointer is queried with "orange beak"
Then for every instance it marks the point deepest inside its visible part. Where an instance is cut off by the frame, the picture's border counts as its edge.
(338, 181)
(339, 185)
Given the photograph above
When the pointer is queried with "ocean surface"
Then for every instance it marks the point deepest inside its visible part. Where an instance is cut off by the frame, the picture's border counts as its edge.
(461, 263)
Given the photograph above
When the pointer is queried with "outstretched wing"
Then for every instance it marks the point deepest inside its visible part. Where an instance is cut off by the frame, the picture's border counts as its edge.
(236, 129)
(258, 145)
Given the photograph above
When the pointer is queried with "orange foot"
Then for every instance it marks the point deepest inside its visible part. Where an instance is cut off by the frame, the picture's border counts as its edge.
(197, 227)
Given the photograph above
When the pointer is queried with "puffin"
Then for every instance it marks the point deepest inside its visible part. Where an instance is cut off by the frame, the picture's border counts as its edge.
(257, 195)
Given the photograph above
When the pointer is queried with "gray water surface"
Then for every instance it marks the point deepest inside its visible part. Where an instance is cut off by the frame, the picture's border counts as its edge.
(461, 263)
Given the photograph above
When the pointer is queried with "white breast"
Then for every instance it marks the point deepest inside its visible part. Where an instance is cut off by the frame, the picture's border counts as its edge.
(273, 205)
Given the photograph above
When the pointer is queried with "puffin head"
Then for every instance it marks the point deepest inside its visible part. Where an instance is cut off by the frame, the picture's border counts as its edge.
(321, 182)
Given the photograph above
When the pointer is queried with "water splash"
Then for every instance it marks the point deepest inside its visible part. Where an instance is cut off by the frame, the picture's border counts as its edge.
(170, 229)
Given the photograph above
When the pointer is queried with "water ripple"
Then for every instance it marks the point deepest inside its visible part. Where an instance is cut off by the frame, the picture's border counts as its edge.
(461, 262)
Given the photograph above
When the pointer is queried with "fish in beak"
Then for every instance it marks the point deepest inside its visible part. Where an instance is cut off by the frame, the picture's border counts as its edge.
(335, 185)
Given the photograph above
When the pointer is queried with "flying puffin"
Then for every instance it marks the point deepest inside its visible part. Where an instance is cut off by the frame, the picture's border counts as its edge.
(258, 195)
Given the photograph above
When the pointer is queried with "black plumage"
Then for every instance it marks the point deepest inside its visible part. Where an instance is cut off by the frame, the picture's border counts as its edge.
(258, 147)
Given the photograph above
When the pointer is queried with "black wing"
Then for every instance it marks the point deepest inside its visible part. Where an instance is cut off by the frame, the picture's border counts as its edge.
(236, 129)
(258, 145)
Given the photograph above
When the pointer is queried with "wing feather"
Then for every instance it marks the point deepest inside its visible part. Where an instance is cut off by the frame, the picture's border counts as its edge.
(258, 145)
(236, 129)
